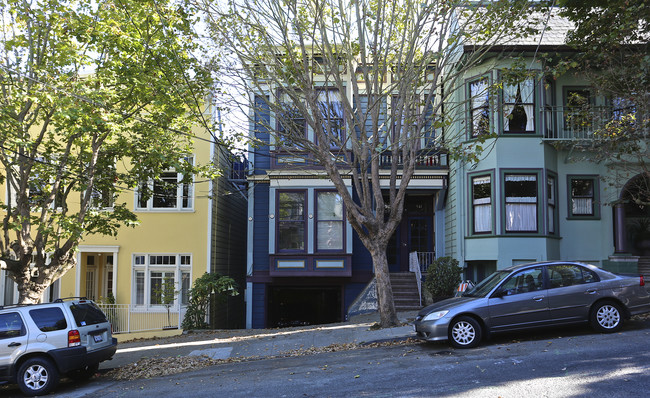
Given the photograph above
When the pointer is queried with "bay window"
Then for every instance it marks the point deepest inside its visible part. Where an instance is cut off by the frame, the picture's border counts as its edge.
(550, 200)
(329, 221)
(479, 107)
(330, 104)
(291, 221)
(518, 107)
(520, 202)
(482, 204)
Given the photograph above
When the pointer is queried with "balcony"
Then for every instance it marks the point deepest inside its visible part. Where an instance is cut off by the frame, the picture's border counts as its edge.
(429, 158)
(571, 124)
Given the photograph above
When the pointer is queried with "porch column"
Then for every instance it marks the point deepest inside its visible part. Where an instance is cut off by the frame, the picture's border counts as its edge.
(620, 240)
(114, 287)
(77, 287)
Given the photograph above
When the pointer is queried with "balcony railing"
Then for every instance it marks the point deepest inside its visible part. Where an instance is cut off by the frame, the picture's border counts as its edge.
(574, 123)
(425, 158)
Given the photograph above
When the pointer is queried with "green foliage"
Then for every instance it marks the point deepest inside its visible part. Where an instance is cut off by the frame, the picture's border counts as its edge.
(85, 87)
(443, 277)
(206, 288)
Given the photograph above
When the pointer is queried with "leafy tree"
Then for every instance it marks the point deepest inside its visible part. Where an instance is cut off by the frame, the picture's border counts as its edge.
(207, 288)
(281, 48)
(87, 86)
(611, 38)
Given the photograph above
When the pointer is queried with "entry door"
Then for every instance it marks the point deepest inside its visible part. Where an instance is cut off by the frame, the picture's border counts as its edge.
(419, 238)
(91, 283)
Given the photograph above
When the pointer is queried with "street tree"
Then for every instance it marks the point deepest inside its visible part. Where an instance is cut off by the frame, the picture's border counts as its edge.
(96, 98)
(387, 66)
(613, 52)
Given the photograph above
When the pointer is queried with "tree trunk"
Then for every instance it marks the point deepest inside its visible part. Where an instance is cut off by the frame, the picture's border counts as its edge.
(387, 313)
(31, 294)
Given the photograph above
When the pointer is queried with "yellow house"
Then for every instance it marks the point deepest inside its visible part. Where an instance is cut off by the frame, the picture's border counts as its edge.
(184, 232)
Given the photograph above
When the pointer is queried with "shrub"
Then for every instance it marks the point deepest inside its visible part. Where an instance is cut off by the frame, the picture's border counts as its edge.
(443, 277)
(206, 287)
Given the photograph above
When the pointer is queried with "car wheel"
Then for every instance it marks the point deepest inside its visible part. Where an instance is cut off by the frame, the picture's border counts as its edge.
(606, 316)
(465, 332)
(85, 372)
(37, 376)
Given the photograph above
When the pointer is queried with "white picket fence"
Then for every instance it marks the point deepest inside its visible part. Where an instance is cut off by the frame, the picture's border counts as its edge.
(129, 318)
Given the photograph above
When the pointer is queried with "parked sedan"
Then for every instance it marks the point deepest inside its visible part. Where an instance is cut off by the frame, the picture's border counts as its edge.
(535, 295)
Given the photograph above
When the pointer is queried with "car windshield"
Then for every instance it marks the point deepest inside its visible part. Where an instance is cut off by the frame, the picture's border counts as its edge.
(486, 285)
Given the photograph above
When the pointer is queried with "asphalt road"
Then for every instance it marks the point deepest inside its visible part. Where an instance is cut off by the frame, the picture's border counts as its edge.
(569, 362)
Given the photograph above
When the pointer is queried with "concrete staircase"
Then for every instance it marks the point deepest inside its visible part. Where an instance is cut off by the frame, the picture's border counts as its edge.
(644, 267)
(405, 291)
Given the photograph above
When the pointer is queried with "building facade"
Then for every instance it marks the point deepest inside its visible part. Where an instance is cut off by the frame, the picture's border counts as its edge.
(185, 230)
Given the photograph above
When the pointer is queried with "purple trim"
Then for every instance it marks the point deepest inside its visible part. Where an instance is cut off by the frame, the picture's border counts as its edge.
(317, 219)
(278, 222)
(310, 266)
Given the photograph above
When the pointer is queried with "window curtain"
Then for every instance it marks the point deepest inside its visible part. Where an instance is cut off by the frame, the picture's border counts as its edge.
(583, 206)
(482, 215)
(482, 203)
(521, 211)
(527, 92)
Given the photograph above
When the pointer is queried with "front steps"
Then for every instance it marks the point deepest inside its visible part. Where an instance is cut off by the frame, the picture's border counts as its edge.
(405, 291)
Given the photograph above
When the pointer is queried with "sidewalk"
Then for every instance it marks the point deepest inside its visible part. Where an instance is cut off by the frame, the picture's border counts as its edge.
(239, 343)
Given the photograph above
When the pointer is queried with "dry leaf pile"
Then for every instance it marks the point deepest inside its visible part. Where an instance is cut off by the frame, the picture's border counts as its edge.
(155, 367)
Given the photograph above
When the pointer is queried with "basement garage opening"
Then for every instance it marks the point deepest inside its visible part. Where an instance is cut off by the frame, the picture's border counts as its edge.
(299, 306)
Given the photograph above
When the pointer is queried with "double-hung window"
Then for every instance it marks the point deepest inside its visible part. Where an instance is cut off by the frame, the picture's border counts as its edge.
(170, 191)
(583, 190)
(551, 203)
(330, 105)
(329, 221)
(482, 204)
(291, 221)
(479, 107)
(521, 202)
(291, 123)
(518, 107)
(161, 279)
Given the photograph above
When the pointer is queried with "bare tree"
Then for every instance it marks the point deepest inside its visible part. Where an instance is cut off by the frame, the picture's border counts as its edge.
(353, 82)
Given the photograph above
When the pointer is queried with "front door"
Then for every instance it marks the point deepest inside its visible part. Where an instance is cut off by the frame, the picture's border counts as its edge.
(415, 232)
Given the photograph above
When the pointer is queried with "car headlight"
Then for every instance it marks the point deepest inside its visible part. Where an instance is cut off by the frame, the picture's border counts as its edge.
(433, 316)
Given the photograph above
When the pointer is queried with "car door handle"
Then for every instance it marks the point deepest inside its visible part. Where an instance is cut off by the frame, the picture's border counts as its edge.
(14, 344)
(591, 291)
(538, 298)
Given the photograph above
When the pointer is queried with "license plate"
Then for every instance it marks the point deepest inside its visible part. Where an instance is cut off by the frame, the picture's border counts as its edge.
(98, 338)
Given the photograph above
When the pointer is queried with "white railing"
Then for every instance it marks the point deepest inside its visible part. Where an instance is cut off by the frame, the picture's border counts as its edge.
(414, 266)
(425, 259)
(129, 318)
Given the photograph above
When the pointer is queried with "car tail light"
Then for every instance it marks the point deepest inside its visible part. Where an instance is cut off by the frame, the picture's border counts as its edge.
(641, 281)
(74, 339)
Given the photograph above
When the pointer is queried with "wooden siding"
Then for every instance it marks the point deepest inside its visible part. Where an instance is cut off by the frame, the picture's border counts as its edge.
(229, 207)
(259, 306)
(261, 227)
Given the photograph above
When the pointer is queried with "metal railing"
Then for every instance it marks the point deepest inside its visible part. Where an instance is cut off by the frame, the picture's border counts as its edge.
(575, 123)
(129, 318)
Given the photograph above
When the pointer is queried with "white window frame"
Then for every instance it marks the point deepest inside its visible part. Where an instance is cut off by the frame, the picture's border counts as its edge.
(147, 268)
(179, 194)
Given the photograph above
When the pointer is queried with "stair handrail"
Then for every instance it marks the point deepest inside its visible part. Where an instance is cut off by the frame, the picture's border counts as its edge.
(414, 266)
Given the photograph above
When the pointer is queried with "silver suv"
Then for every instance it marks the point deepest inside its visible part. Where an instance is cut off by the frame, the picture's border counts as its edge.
(39, 343)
